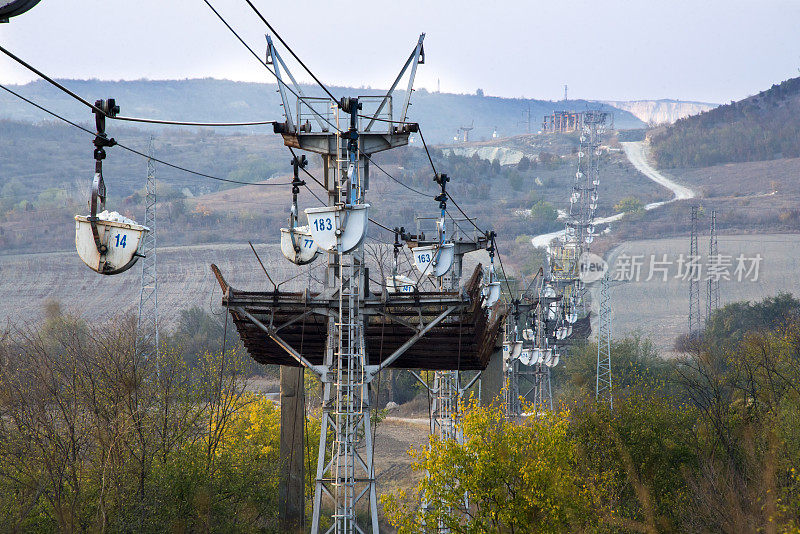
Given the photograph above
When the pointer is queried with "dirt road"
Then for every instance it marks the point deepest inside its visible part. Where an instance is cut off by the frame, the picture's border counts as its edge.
(636, 154)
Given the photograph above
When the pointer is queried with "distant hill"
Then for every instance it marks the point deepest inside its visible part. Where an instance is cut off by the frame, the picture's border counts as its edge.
(662, 111)
(441, 114)
(761, 127)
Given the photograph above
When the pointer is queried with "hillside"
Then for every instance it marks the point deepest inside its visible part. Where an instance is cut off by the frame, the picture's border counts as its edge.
(661, 111)
(441, 114)
(761, 127)
(52, 187)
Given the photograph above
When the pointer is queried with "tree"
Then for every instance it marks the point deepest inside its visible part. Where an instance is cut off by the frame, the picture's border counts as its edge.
(506, 477)
(634, 460)
(543, 211)
(94, 439)
(629, 205)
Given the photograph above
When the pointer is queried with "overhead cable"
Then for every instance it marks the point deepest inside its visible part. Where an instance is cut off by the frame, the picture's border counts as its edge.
(85, 102)
(289, 48)
(129, 149)
(266, 66)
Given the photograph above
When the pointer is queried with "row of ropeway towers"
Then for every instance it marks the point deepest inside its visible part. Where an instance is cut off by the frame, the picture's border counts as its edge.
(555, 309)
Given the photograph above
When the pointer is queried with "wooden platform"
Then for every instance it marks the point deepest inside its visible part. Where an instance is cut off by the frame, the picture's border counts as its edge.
(464, 337)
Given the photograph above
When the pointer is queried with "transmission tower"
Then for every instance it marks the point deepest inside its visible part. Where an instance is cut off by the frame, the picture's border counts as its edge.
(147, 342)
(527, 118)
(694, 279)
(603, 387)
(712, 285)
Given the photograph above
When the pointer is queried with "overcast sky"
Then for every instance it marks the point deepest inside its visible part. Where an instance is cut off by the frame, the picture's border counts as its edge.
(705, 50)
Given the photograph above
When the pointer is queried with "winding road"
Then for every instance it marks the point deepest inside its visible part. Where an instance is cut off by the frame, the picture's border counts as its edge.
(636, 154)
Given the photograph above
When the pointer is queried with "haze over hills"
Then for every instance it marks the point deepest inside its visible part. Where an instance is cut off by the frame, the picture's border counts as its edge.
(441, 114)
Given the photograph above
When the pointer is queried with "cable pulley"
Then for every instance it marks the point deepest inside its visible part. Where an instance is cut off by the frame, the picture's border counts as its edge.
(397, 283)
(297, 243)
(437, 259)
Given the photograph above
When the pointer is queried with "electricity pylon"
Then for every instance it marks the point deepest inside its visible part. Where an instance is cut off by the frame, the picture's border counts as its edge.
(694, 279)
(603, 388)
(147, 324)
(712, 286)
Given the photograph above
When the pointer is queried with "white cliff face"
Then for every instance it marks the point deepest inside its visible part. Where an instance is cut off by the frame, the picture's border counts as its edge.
(507, 156)
(662, 111)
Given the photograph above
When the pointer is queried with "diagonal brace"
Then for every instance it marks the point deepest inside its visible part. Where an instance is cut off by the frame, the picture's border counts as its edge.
(416, 337)
(412, 59)
(398, 320)
(294, 320)
(272, 333)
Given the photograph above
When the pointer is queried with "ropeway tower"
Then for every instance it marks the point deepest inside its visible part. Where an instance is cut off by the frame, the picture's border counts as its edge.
(345, 140)
(347, 332)
(449, 386)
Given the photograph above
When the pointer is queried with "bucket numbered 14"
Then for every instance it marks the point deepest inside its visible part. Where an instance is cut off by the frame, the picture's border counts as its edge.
(107, 242)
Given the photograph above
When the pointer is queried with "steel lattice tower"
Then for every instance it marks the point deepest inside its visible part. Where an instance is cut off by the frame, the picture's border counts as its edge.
(345, 472)
(712, 285)
(694, 279)
(540, 393)
(147, 341)
(446, 392)
(448, 388)
(583, 201)
(346, 436)
(603, 388)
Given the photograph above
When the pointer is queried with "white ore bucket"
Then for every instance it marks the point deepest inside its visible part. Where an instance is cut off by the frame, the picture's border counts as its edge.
(434, 260)
(303, 238)
(121, 239)
(511, 351)
(399, 284)
(527, 334)
(492, 293)
(327, 223)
